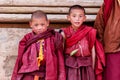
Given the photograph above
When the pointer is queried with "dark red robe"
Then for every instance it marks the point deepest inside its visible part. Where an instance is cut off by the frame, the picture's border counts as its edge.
(79, 67)
(26, 64)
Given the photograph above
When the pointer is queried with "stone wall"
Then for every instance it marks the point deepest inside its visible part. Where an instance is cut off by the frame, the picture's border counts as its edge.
(9, 39)
(12, 30)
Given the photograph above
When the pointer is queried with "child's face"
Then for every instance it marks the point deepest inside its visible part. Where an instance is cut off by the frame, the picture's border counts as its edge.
(76, 17)
(39, 25)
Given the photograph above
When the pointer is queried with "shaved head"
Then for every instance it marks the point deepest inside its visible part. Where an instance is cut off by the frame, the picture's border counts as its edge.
(76, 7)
(38, 14)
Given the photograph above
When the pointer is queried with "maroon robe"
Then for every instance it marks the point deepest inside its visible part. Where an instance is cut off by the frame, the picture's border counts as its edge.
(79, 67)
(26, 64)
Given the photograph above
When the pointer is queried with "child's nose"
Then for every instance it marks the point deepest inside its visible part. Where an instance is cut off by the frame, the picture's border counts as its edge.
(77, 18)
(39, 27)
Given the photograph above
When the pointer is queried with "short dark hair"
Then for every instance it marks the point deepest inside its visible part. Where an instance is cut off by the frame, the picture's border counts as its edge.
(38, 14)
(76, 7)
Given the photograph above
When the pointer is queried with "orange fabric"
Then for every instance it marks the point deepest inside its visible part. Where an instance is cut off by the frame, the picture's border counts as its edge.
(112, 30)
(36, 77)
(109, 34)
(40, 57)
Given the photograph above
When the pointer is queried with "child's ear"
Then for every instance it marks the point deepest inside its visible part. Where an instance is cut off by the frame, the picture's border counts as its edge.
(68, 17)
(48, 22)
(30, 23)
(85, 18)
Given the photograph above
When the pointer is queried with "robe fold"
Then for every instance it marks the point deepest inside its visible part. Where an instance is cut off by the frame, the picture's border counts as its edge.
(108, 4)
(26, 66)
(79, 67)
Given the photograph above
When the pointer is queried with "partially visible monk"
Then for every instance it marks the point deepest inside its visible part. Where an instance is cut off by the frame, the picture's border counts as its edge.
(84, 55)
(107, 24)
(40, 54)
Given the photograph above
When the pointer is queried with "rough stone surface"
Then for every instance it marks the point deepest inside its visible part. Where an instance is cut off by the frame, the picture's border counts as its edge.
(9, 39)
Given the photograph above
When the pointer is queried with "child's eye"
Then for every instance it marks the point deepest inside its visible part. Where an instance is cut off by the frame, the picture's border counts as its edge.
(80, 16)
(74, 16)
(36, 25)
(42, 24)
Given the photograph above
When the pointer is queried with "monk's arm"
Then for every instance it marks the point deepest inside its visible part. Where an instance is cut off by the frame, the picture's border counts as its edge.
(93, 57)
(62, 75)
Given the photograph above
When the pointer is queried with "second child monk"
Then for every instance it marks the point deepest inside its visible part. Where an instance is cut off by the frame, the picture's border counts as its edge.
(84, 55)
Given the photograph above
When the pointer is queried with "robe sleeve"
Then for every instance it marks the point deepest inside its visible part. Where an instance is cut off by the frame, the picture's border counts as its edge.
(61, 65)
(18, 63)
(100, 60)
(100, 55)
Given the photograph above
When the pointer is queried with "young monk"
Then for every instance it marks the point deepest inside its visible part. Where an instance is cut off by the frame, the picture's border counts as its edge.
(40, 52)
(84, 55)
